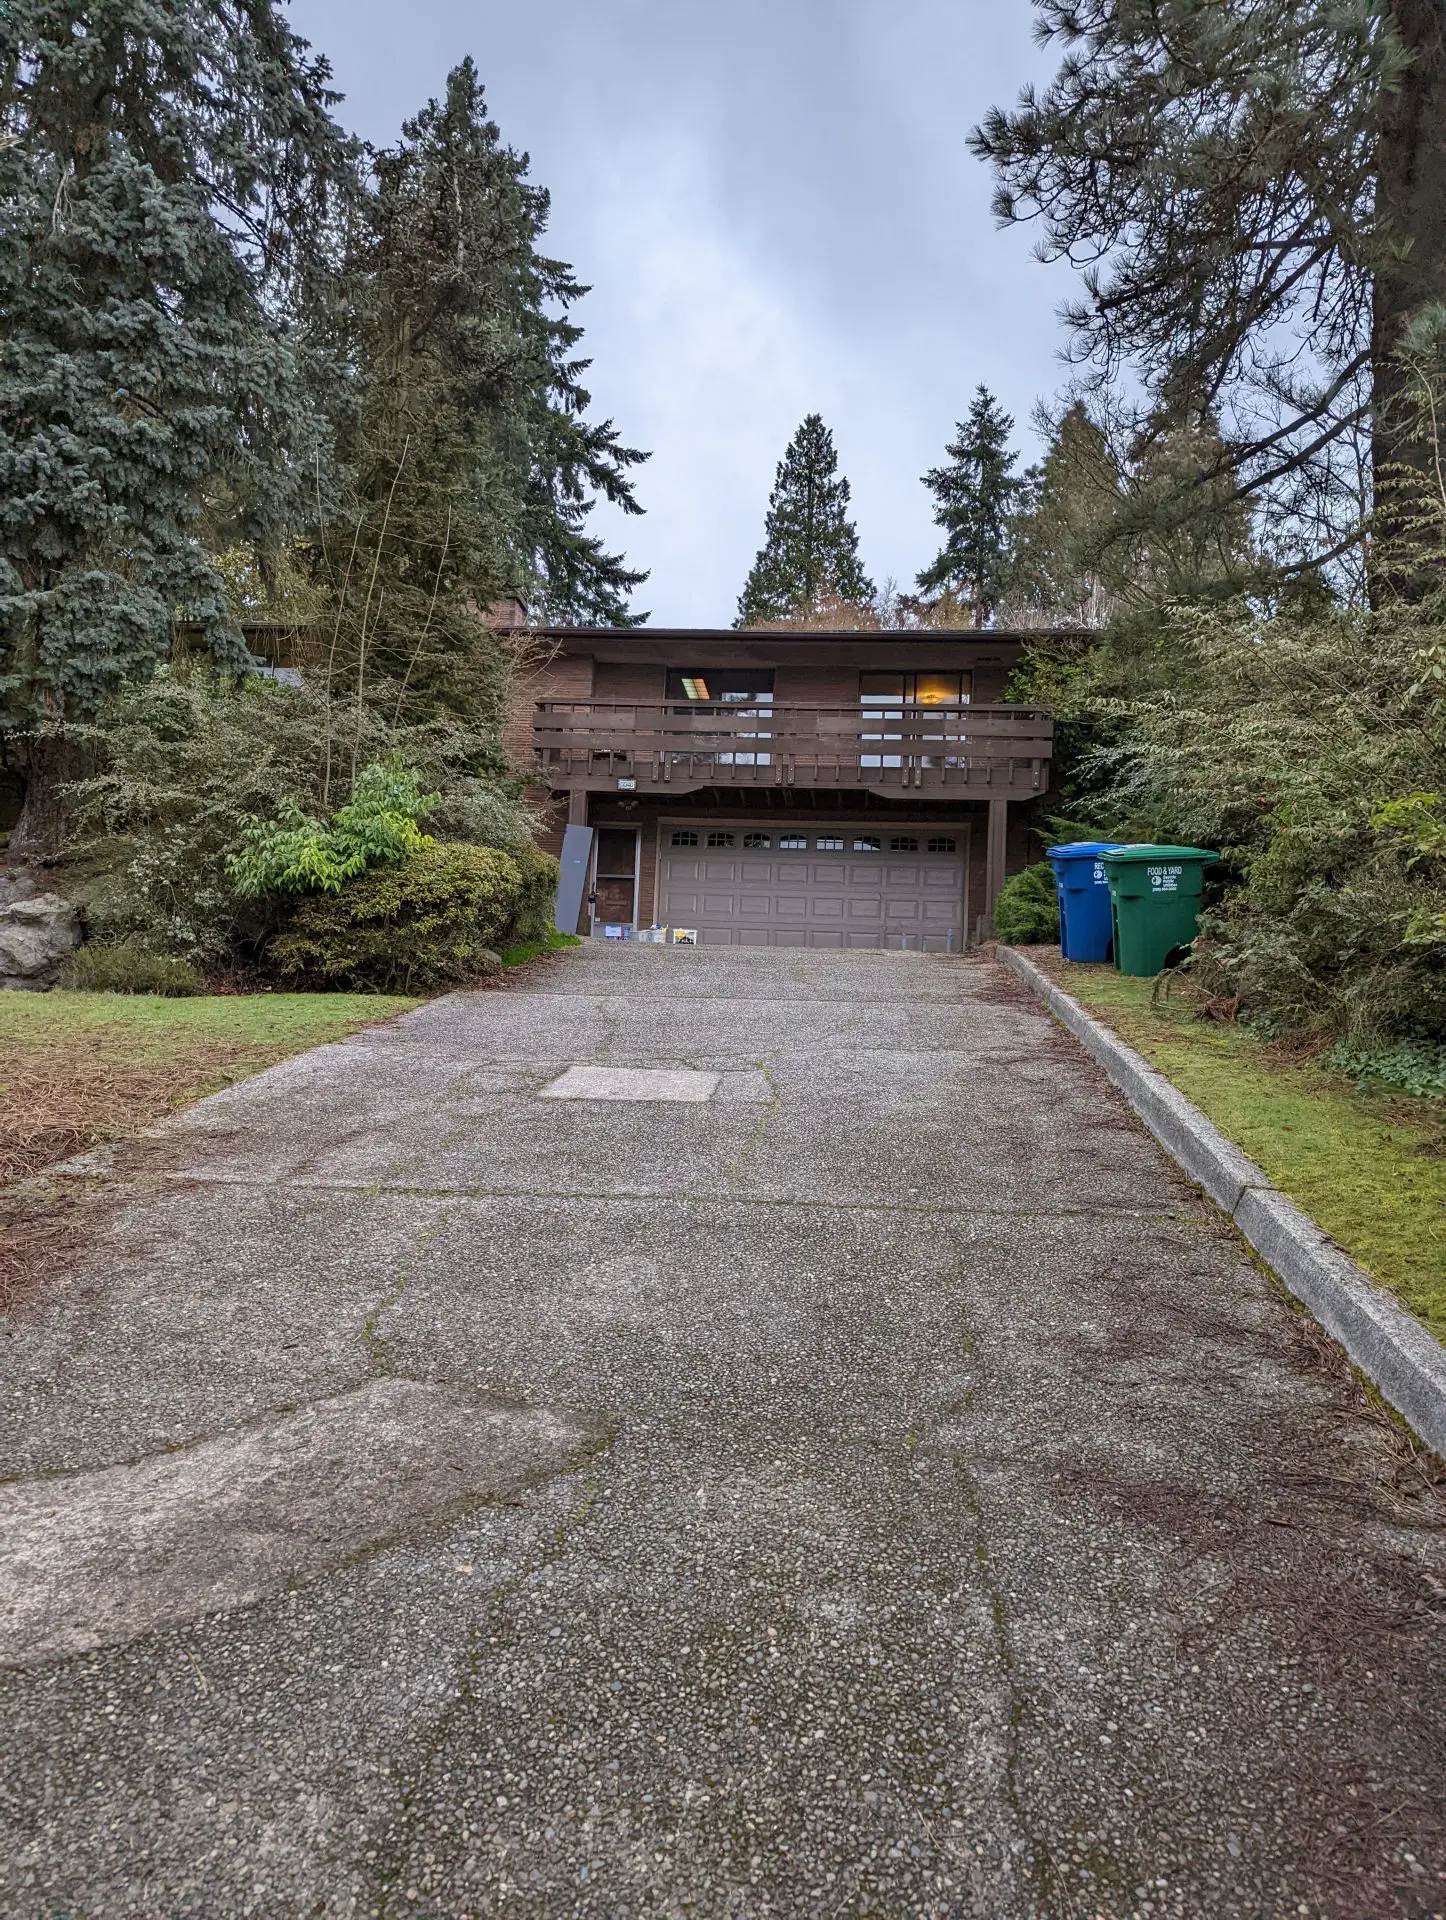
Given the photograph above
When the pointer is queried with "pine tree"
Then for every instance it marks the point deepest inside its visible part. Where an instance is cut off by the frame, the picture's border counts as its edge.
(974, 497)
(167, 174)
(1254, 195)
(810, 551)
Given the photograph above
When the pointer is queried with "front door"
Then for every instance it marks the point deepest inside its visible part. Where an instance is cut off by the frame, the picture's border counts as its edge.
(616, 875)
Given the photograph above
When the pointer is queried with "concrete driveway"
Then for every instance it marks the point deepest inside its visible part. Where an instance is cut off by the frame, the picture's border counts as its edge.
(866, 1480)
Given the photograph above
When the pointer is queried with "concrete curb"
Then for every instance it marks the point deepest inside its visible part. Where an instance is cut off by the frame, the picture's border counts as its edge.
(1405, 1363)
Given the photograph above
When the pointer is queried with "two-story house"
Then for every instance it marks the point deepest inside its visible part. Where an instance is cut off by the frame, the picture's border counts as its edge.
(784, 787)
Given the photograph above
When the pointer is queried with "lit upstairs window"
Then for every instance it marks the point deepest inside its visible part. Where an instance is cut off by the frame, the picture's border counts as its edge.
(722, 686)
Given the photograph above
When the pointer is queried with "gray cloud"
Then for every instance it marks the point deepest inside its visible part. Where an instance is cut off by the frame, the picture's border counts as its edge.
(777, 212)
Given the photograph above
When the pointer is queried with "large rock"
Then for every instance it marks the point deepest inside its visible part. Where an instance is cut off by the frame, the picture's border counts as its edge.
(37, 937)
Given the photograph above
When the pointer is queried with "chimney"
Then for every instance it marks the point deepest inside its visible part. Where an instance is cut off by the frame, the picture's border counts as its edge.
(507, 616)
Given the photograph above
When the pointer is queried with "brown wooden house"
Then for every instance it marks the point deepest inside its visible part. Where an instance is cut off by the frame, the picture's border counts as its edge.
(784, 788)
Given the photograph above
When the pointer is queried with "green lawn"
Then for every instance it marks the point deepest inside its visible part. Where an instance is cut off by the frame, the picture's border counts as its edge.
(152, 1028)
(1369, 1168)
(79, 1068)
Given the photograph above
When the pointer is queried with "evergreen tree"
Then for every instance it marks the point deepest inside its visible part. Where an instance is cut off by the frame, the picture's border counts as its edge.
(1056, 572)
(167, 175)
(1254, 194)
(1181, 531)
(974, 497)
(472, 464)
(810, 551)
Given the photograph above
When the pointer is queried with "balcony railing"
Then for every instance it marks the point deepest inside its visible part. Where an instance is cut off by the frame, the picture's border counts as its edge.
(666, 748)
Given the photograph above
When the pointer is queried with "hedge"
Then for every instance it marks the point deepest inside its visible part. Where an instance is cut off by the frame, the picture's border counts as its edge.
(436, 919)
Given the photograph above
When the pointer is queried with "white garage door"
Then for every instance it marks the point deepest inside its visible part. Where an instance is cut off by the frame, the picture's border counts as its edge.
(827, 887)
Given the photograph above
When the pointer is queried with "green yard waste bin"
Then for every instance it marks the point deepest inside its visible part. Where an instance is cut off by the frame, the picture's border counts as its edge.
(1154, 902)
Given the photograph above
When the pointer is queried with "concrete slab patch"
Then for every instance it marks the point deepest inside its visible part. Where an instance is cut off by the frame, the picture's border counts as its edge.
(91, 1559)
(633, 1083)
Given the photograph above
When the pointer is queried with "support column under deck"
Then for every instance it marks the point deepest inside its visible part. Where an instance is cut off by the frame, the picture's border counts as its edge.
(996, 848)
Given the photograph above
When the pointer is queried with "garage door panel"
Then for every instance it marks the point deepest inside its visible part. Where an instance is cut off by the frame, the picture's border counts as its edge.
(807, 897)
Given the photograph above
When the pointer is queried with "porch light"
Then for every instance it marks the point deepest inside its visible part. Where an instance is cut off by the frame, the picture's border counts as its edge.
(695, 687)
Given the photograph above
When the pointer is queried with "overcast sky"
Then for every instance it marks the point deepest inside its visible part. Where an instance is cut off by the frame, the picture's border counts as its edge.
(775, 207)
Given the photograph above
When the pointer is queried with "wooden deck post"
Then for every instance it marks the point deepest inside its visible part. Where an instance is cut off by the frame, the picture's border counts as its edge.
(577, 807)
(996, 845)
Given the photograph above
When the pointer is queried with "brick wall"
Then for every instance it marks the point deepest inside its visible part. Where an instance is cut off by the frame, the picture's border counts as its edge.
(559, 677)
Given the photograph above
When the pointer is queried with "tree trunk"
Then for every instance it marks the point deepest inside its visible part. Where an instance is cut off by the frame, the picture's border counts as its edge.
(1411, 215)
(44, 824)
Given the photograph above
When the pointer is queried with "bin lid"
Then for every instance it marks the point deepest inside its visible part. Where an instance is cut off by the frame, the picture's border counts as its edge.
(1155, 854)
(1080, 849)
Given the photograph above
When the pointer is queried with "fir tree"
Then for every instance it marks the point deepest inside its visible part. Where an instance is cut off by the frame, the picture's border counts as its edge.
(472, 446)
(1055, 570)
(974, 496)
(810, 551)
(1181, 531)
(166, 174)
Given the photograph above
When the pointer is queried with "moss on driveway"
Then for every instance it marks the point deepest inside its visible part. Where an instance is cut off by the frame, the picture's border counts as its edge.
(1369, 1167)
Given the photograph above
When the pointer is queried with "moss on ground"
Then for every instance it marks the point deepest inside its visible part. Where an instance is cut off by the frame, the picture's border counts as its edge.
(531, 949)
(1369, 1167)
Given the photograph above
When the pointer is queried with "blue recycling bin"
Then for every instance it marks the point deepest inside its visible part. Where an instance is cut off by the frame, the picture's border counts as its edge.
(1085, 929)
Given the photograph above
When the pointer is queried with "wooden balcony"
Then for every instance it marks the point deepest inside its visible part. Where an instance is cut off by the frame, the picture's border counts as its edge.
(962, 752)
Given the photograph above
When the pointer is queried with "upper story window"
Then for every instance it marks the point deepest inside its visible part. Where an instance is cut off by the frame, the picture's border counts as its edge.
(731, 686)
(918, 689)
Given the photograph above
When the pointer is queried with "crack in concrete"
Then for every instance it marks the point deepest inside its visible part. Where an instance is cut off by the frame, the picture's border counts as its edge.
(994, 1593)
(395, 1841)
(733, 1169)
(379, 1364)
(1153, 1216)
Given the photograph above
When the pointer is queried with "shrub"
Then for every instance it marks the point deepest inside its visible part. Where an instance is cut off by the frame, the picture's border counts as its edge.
(1309, 745)
(130, 968)
(297, 854)
(539, 894)
(435, 919)
(1027, 914)
(188, 759)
